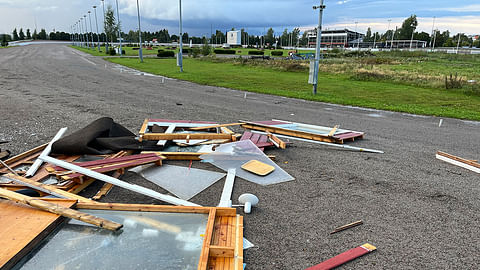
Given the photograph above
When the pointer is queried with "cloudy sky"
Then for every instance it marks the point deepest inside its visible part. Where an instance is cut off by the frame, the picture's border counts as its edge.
(254, 15)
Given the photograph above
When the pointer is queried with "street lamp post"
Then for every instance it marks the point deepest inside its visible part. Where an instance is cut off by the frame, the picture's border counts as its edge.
(91, 28)
(140, 53)
(458, 43)
(119, 30)
(180, 53)
(96, 23)
(411, 40)
(86, 31)
(357, 36)
(105, 27)
(317, 50)
(81, 31)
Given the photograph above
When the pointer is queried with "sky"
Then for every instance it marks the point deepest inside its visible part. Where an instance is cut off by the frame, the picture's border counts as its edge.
(199, 16)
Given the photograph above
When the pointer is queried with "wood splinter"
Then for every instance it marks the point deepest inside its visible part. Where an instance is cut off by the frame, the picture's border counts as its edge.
(59, 210)
(348, 226)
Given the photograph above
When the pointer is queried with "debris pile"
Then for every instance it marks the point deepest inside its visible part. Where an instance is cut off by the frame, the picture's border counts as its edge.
(41, 186)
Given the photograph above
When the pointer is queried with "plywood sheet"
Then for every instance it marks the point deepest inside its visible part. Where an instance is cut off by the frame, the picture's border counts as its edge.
(22, 227)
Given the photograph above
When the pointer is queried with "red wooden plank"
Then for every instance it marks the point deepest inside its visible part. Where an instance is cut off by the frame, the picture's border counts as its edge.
(246, 136)
(255, 138)
(264, 144)
(348, 135)
(344, 257)
(108, 161)
(130, 164)
(263, 138)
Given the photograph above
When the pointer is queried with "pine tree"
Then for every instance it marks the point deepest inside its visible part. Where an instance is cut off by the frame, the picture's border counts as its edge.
(35, 35)
(21, 34)
(28, 34)
(15, 34)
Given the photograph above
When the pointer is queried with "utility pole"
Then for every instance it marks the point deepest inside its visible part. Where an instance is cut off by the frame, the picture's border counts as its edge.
(140, 53)
(458, 44)
(357, 36)
(434, 40)
(96, 23)
(180, 52)
(431, 39)
(317, 50)
(91, 28)
(411, 40)
(393, 35)
(105, 27)
(86, 30)
(119, 30)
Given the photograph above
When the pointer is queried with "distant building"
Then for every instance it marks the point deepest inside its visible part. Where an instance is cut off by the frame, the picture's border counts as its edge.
(234, 38)
(334, 38)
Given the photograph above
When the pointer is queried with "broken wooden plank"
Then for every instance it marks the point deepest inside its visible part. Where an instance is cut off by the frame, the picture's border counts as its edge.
(187, 136)
(348, 226)
(215, 126)
(59, 210)
(332, 132)
(458, 161)
(46, 188)
(344, 257)
(277, 141)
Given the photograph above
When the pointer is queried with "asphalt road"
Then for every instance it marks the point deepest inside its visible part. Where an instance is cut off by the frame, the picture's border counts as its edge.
(421, 213)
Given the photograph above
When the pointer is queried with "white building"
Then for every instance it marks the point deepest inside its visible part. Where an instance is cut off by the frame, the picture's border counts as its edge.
(234, 38)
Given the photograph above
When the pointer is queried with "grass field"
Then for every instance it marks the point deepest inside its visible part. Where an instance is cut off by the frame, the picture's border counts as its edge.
(338, 88)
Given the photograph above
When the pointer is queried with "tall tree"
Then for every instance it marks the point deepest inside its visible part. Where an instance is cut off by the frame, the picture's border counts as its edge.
(15, 34)
(304, 39)
(42, 35)
(29, 36)
(295, 36)
(408, 27)
(111, 25)
(368, 36)
(35, 35)
(284, 38)
(269, 37)
(21, 35)
(4, 40)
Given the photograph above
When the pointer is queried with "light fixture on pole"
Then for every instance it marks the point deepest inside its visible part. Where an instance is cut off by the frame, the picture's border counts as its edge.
(180, 53)
(86, 30)
(317, 50)
(458, 44)
(411, 40)
(96, 23)
(81, 31)
(105, 27)
(140, 53)
(119, 30)
(431, 39)
(91, 28)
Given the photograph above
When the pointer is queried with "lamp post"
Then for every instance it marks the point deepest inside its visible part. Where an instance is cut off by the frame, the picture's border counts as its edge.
(91, 28)
(357, 36)
(411, 40)
(458, 44)
(140, 53)
(96, 23)
(317, 50)
(433, 26)
(86, 30)
(119, 30)
(81, 31)
(180, 53)
(105, 27)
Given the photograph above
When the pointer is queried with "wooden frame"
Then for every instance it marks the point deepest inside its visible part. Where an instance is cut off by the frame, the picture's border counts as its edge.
(222, 247)
(144, 133)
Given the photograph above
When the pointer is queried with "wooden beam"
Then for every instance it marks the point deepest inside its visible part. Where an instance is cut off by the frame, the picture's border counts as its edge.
(277, 141)
(215, 126)
(221, 251)
(294, 133)
(238, 253)
(21, 158)
(46, 188)
(458, 161)
(179, 155)
(203, 261)
(59, 210)
(143, 130)
(332, 132)
(187, 136)
(103, 191)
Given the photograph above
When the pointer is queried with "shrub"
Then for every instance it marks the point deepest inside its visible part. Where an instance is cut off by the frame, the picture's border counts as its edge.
(187, 51)
(256, 53)
(206, 49)
(277, 53)
(162, 53)
(112, 51)
(220, 51)
(195, 52)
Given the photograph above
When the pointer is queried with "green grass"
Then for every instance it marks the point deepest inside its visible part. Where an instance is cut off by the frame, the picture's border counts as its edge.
(333, 87)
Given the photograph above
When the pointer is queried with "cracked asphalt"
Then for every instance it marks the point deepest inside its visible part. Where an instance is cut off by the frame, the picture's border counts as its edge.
(421, 213)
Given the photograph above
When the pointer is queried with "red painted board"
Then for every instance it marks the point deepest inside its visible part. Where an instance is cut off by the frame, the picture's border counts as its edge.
(264, 144)
(246, 136)
(108, 161)
(255, 138)
(263, 139)
(344, 257)
(348, 135)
